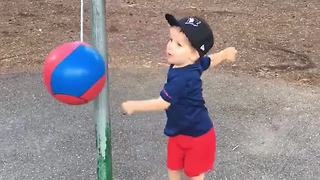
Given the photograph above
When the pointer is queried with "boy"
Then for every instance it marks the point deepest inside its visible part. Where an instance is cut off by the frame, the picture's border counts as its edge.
(191, 136)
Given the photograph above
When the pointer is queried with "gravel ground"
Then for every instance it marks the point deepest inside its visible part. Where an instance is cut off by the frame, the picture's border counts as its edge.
(265, 129)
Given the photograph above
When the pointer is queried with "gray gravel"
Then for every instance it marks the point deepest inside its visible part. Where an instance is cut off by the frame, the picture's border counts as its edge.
(266, 129)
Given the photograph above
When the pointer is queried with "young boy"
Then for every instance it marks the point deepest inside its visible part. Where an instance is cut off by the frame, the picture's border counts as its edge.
(191, 137)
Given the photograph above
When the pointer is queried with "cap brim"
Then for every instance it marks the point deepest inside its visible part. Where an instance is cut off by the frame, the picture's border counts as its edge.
(172, 20)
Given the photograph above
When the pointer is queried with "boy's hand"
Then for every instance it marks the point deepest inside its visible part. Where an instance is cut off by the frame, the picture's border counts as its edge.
(230, 54)
(128, 107)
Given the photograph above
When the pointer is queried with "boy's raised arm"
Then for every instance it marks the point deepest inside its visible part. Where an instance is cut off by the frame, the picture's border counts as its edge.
(226, 54)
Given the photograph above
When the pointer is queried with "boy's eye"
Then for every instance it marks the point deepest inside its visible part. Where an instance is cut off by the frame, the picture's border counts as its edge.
(179, 45)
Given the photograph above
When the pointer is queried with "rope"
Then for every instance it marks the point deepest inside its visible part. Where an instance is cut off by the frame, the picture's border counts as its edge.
(81, 21)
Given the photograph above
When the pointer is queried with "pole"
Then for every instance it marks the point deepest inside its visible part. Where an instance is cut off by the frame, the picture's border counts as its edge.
(101, 105)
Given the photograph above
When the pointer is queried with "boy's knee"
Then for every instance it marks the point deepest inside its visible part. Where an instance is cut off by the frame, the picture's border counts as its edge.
(199, 177)
(174, 174)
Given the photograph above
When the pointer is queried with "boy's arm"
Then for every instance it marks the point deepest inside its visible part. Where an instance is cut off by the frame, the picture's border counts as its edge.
(130, 107)
(226, 54)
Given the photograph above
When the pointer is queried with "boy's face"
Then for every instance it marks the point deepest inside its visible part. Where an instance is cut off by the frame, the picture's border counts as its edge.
(179, 50)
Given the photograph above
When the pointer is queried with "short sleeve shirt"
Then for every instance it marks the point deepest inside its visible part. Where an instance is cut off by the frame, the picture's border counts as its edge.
(187, 113)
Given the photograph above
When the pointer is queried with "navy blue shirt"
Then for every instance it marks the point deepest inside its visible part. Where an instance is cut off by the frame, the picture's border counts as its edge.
(187, 113)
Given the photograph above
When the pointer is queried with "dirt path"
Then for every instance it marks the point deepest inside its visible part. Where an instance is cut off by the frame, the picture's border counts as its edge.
(275, 39)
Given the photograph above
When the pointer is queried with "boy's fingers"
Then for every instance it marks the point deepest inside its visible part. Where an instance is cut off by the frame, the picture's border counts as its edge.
(123, 109)
(233, 54)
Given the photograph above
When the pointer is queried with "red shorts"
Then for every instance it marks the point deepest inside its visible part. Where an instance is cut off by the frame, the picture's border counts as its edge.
(193, 154)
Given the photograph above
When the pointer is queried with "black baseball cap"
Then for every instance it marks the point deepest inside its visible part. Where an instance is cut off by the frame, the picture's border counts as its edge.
(197, 31)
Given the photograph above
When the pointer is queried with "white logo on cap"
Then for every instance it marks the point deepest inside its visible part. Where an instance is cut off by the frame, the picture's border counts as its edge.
(193, 21)
(202, 47)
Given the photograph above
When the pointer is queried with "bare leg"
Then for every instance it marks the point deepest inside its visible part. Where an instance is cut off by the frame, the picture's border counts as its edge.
(200, 177)
(174, 175)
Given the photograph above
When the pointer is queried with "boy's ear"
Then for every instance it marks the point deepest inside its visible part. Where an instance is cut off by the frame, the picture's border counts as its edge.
(195, 55)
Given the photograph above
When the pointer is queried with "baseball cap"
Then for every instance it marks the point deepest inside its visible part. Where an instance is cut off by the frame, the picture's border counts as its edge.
(197, 31)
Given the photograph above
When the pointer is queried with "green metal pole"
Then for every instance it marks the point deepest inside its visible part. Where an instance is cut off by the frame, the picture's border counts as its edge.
(101, 104)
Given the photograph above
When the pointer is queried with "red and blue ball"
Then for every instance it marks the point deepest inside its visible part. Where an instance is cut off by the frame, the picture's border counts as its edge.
(74, 73)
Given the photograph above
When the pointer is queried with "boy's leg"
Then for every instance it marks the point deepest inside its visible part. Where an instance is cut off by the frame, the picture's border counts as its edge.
(200, 157)
(200, 177)
(175, 159)
(174, 174)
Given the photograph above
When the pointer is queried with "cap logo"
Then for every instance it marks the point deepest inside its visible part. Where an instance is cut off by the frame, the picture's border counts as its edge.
(193, 21)
(202, 47)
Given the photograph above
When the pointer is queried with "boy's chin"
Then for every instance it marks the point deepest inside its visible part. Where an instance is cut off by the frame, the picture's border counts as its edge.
(170, 61)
